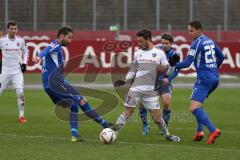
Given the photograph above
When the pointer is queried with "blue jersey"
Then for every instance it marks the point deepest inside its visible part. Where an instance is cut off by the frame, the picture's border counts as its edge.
(206, 56)
(52, 64)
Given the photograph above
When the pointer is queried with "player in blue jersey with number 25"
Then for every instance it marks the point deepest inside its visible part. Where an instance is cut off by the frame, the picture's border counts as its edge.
(207, 58)
(59, 90)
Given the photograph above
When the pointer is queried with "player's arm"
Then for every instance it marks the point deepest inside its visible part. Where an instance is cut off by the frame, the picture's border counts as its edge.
(163, 64)
(131, 73)
(161, 68)
(25, 54)
(44, 52)
(190, 56)
(187, 62)
(219, 55)
(174, 59)
(173, 76)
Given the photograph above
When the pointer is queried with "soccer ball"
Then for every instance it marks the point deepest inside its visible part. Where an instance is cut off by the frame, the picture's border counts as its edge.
(107, 136)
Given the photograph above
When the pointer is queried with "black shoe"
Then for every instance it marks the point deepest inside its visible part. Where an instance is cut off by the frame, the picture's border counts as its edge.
(116, 127)
(173, 138)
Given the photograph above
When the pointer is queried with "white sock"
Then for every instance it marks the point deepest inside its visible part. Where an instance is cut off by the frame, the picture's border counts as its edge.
(163, 127)
(20, 99)
(122, 119)
(21, 106)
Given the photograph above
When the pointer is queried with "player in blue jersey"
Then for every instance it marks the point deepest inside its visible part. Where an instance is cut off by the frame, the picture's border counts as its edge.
(59, 90)
(207, 57)
(163, 83)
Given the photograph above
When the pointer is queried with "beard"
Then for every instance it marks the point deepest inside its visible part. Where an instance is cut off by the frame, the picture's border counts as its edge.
(64, 43)
(145, 47)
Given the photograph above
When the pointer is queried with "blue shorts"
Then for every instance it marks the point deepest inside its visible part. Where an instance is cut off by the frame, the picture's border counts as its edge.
(63, 93)
(202, 90)
(165, 89)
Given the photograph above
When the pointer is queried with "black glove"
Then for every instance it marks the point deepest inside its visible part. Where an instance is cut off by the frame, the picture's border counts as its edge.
(174, 60)
(118, 83)
(23, 67)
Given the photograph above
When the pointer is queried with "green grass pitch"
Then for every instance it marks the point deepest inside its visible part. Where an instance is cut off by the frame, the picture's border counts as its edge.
(46, 137)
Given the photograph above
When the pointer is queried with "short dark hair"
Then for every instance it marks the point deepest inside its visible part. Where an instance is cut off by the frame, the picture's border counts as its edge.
(12, 23)
(196, 24)
(167, 36)
(146, 34)
(64, 30)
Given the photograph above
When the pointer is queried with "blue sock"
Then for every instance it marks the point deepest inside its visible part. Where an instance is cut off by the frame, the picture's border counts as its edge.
(74, 120)
(143, 115)
(91, 113)
(199, 125)
(166, 115)
(202, 117)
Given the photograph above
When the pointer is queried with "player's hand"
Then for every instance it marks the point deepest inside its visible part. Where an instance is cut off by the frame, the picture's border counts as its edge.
(36, 59)
(23, 67)
(118, 83)
(165, 81)
(174, 60)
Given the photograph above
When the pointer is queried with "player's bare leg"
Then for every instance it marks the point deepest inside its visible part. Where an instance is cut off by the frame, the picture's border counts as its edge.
(166, 101)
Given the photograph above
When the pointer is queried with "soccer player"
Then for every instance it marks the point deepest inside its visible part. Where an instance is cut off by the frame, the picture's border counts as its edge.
(207, 58)
(14, 62)
(147, 61)
(163, 83)
(59, 90)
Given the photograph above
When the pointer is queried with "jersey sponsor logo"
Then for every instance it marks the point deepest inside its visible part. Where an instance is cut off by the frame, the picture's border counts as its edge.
(12, 49)
(35, 48)
(147, 60)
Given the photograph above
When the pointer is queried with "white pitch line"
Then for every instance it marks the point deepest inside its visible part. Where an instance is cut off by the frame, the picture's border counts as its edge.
(131, 143)
(110, 86)
(193, 129)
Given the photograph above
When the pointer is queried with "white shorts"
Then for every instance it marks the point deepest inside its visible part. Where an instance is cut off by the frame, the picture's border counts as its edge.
(16, 79)
(149, 99)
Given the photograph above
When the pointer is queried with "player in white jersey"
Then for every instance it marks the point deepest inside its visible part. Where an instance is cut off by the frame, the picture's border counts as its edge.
(148, 60)
(14, 62)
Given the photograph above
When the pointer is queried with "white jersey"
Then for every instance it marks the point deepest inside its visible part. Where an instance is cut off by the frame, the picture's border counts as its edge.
(144, 69)
(14, 53)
